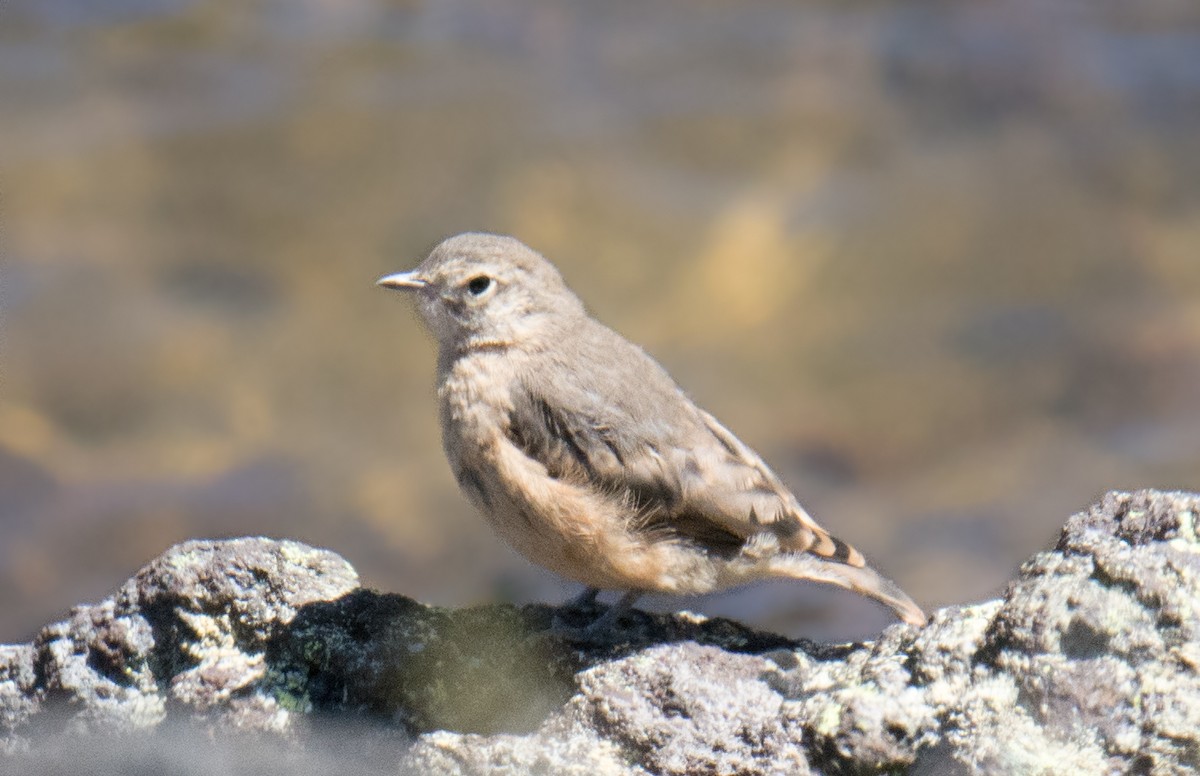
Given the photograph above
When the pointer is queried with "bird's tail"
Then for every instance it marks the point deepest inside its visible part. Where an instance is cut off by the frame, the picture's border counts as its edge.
(861, 579)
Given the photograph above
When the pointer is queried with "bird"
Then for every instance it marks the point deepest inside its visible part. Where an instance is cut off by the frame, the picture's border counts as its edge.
(588, 459)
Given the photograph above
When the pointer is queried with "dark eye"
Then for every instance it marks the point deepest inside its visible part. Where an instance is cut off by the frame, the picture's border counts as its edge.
(478, 285)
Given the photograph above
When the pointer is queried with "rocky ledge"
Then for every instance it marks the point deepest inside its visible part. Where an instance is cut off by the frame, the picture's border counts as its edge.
(259, 656)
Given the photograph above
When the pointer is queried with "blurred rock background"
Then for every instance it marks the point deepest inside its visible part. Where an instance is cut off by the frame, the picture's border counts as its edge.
(938, 262)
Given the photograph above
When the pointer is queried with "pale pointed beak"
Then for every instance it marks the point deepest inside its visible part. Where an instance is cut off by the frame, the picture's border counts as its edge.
(402, 281)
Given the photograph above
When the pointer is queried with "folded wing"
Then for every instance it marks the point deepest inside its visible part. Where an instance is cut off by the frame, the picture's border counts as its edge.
(691, 479)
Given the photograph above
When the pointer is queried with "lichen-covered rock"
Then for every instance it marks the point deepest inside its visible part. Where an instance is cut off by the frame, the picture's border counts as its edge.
(1086, 666)
(1090, 664)
(188, 631)
(1101, 635)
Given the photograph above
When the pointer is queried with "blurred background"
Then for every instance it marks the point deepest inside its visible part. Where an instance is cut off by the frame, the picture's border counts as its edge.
(938, 262)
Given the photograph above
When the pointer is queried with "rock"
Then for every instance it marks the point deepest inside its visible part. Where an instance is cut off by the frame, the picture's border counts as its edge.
(188, 632)
(256, 656)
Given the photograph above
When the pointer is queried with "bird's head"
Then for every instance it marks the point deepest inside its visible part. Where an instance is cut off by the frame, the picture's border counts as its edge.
(485, 289)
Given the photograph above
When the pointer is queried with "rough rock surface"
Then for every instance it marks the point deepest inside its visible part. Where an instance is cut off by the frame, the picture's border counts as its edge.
(257, 656)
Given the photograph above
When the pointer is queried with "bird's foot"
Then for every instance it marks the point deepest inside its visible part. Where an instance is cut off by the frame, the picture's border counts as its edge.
(599, 629)
(584, 600)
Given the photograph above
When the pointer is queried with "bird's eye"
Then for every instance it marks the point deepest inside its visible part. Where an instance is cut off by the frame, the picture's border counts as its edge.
(478, 285)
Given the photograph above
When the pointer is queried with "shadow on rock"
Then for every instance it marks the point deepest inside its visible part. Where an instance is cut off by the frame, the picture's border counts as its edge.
(487, 669)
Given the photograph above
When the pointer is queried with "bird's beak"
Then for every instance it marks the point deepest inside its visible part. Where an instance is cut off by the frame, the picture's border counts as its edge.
(402, 281)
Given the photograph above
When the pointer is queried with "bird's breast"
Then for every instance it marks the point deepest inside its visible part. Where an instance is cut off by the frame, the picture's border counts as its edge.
(579, 531)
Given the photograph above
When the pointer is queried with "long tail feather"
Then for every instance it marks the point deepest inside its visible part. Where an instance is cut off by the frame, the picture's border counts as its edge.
(863, 580)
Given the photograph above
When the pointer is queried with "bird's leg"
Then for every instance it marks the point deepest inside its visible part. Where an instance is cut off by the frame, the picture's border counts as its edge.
(585, 599)
(600, 627)
(607, 620)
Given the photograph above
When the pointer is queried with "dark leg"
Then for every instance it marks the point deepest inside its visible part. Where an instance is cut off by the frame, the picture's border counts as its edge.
(585, 599)
(607, 620)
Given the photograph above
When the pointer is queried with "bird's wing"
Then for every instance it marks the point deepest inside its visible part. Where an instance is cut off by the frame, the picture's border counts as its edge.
(727, 481)
(680, 470)
(580, 445)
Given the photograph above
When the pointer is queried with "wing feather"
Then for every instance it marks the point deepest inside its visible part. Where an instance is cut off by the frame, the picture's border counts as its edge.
(705, 486)
(736, 487)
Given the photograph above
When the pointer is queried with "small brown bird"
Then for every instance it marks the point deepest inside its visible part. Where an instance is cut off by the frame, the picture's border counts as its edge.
(588, 459)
